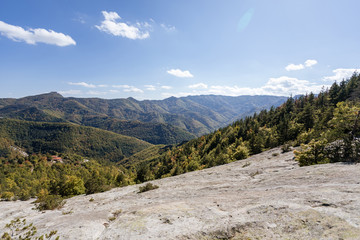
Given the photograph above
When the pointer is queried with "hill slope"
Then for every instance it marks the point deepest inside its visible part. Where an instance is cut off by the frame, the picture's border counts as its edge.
(263, 197)
(154, 133)
(327, 127)
(41, 137)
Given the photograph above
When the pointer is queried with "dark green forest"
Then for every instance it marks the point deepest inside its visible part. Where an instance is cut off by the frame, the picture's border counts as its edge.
(67, 138)
(323, 127)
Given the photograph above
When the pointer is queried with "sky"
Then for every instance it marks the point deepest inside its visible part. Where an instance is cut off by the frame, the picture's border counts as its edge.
(154, 49)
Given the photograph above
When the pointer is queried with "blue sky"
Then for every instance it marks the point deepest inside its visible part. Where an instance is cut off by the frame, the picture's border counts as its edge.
(153, 49)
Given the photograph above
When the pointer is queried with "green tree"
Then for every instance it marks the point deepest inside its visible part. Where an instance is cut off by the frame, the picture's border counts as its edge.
(72, 186)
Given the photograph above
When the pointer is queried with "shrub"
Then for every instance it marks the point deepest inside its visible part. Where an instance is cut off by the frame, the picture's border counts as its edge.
(193, 166)
(7, 196)
(24, 195)
(312, 153)
(19, 229)
(72, 186)
(96, 184)
(50, 202)
(242, 152)
(147, 187)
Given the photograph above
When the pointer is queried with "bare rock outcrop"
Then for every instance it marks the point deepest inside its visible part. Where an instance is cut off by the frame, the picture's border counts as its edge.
(267, 196)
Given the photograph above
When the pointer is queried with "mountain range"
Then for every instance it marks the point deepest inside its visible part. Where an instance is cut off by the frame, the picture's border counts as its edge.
(167, 121)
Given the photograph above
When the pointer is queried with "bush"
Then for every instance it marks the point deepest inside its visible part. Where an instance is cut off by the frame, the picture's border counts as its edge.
(50, 202)
(147, 187)
(7, 196)
(24, 195)
(96, 184)
(312, 153)
(72, 186)
(242, 152)
(193, 166)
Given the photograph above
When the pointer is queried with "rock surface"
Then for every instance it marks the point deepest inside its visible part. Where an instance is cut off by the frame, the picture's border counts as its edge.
(267, 196)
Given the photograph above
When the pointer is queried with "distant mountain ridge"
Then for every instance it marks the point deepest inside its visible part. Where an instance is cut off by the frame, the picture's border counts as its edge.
(175, 119)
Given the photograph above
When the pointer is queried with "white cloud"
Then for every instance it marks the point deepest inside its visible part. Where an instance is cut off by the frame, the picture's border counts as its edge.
(150, 87)
(166, 87)
(133, 89)
(341, 73)
(111, 16)
(199, 86)
(114, 91)
(281, 86)
(310, 62)
(91, 92)
(235, 90)
(121, 86)
(284, 86)
(70, 92)
(83, 84)
(37, 35)
(128, 88)
(180, 73)
(111, 25)
(293, 67)
(168, 28)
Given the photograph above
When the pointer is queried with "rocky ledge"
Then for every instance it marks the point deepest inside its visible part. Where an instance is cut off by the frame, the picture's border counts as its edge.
(267, 196)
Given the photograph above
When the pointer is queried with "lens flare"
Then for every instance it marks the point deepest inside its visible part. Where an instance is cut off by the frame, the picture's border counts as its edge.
(245, 20)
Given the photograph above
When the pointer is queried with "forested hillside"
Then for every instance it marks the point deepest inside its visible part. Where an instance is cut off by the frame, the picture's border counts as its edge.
(327, 127)
(66, 138)
(154, 133)
(55, 160)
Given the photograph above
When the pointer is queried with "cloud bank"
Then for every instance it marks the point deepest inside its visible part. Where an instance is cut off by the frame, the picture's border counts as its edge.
(281, 86)
(341, 73)
(37, 35)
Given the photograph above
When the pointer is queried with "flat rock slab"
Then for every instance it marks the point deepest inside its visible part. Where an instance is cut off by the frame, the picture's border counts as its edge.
(267, 196)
